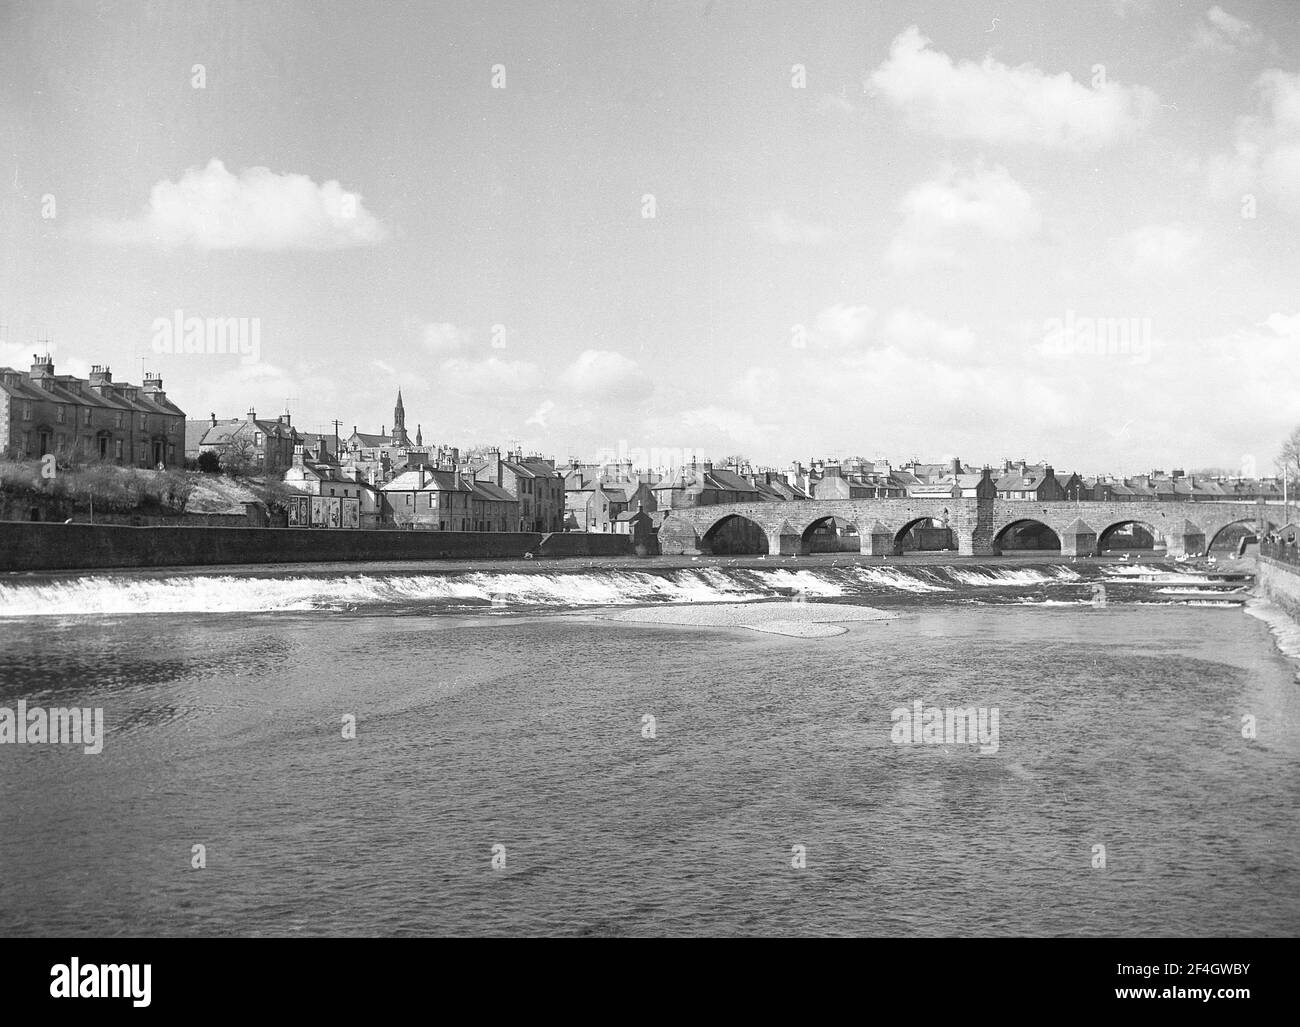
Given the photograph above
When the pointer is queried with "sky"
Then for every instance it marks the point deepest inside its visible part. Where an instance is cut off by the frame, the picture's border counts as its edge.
(1063, 232)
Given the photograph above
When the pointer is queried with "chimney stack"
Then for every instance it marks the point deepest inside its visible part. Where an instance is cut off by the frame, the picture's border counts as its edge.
(252, 414)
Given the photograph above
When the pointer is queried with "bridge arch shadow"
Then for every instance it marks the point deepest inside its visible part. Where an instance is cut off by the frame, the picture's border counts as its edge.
(1228, 537)
(1131, 536)
(734, 535)
(923, 534)
(830, 534)
(1026, 535)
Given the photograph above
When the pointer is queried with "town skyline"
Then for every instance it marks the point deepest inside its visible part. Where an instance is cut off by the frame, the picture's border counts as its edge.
(782, 234)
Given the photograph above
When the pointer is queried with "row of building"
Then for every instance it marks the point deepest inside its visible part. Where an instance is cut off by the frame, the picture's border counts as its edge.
(390, 478)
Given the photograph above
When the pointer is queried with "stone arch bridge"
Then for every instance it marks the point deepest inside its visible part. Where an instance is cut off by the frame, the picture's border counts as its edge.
(979, 526)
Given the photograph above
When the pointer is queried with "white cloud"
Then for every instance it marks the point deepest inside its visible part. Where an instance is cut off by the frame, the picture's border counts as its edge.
(1156, 249)
(844, 325)
(790, 231)
(601, 374)
(758, 387)
(212, 209)
(489, 377)
(1266, 154)
(938, 213)
(727, 426)
(921, 335)
(442, 337)
(1220, 32)
(856, 330)
(995, 103)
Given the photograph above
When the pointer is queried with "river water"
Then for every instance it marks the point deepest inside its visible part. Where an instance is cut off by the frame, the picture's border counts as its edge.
(498, 716)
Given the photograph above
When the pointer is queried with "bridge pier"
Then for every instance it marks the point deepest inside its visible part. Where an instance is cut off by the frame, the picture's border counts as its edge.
(975, 543)
(1078, 539)
(877, 540)
(784, 541)
(1184, 541)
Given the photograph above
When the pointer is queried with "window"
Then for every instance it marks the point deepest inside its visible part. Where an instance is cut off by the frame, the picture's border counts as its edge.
(85, 416)
(118, 419)
(117, 447)
(431, 495)
(27, 411)
(61, 414)
(257, 438)
(144, 422)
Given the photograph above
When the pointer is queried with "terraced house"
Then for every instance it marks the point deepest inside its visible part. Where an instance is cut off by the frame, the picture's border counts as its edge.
(79, 419)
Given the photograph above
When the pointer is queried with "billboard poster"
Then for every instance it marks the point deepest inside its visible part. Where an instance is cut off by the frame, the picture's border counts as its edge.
(317, 511)
(351, 513)
(294, 506)
(334, 510)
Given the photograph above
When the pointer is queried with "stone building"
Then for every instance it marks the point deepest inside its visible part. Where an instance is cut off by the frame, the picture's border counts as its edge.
(321, 483)
(429, 499)
(79, 419)
(533, 482)
(268, 445)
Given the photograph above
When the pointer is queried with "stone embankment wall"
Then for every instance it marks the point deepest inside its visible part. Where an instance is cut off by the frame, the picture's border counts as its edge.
(1279, 582)
(28, 546)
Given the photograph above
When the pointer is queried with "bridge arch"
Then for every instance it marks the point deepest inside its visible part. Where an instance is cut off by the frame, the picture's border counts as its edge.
(912, 537)
(1113, 536)
(1227, 539)
(734, 534)
(830, 534)
(1026, 534)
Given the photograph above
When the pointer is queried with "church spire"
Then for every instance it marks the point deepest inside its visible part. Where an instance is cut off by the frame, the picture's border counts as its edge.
(399, 422)
(419, 437)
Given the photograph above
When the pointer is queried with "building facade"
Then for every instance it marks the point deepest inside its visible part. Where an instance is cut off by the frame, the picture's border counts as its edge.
(88, 419)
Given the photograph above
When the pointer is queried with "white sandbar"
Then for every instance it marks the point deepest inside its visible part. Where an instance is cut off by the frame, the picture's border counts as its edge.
(798, 620)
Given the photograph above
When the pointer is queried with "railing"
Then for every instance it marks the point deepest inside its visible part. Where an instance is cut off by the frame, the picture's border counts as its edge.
(1283, 552)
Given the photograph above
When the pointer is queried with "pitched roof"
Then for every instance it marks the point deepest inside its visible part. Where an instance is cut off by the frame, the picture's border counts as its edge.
(434, 481)
(492, 492)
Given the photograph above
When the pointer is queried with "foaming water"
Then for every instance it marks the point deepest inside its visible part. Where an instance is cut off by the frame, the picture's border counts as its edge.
(434, 590)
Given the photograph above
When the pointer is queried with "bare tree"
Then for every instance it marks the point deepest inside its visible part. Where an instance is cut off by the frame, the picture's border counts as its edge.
(238, 456)
(1288, 460)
